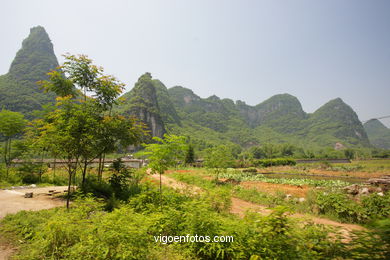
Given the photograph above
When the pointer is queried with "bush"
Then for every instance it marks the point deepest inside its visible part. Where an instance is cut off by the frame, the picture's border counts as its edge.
(252, 169)
(124, 181)
(274, 162)
(339, 205)
(32, 172)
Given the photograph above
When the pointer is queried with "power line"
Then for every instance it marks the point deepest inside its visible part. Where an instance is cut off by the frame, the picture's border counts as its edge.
(382, 117)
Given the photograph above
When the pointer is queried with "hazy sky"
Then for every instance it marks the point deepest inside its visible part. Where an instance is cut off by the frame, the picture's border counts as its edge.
(243, 49)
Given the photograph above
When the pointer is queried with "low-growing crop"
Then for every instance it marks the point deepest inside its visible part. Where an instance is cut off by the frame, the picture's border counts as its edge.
(244, 176)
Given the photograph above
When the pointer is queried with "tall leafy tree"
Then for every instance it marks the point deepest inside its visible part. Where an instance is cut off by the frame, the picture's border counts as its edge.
(219, 159)
(165, 153)
(11, 124)
(81, 127)
(190, 154)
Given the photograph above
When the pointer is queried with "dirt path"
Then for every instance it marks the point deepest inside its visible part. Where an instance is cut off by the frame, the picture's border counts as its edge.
(13, 201)
(240, 206)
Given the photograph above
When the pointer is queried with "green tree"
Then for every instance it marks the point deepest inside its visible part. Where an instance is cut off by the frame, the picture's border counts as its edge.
(219, 159)
(190, 154)
(81, 127)
(349, 153)
(165, 153)
(11, 124)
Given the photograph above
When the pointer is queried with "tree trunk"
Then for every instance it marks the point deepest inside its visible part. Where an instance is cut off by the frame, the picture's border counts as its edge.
(160, 193)
(102, 168)
(54, 170)
(84, 173)
(69, 183)
(99, 166)
(5, 151)
(41, 169)
(8, 160)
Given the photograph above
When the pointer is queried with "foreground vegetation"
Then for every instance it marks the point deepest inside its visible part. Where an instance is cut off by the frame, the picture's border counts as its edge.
(128, 231)
(329, 201)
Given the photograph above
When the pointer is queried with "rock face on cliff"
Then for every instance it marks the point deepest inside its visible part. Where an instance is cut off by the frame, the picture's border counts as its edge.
(18, 89)
(378, 133)
(141, 102)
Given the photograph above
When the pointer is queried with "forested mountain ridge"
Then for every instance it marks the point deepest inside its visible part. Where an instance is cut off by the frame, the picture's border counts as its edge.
(279, 119)
(18, 88)
(378, 133)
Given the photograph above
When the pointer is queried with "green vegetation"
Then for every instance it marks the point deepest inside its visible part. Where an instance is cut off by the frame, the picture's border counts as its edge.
(218, 159)
(130, 232)
(241, 176)
(329, 201)
(11, 124)
(165, 153)
(81, 128)
(274, 162)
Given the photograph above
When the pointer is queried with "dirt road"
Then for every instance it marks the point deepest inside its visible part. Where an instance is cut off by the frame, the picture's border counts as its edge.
(13, 201)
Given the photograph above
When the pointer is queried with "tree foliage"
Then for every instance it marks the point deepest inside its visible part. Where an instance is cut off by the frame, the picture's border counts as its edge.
(81, 128)
(11, 124)
(219, 159)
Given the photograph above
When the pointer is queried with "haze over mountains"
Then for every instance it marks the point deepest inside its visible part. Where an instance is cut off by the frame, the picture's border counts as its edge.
(206, 120)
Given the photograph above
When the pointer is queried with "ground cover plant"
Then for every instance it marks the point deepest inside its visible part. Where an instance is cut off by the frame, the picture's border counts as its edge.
(243, 176)
(128, 232)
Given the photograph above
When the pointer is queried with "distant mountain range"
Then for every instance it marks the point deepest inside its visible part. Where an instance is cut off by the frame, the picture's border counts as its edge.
(207, 121)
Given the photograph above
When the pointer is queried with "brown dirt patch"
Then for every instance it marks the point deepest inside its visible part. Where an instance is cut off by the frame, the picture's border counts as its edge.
(180, 186)
(349, 174)
(240, 207)
(6, 250)
(289, 169)
(297, 191)
(179, 171)
(12, 201)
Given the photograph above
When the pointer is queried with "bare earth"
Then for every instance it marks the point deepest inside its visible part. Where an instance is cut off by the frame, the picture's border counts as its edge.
(13, 201)
(240, 206)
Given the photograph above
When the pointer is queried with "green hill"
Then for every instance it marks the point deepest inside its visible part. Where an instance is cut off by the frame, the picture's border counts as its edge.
(336, 122)
(378, 133)
(18, 88)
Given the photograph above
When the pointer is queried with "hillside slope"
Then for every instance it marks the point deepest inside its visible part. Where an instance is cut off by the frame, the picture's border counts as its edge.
(18, 89)
(378, 133)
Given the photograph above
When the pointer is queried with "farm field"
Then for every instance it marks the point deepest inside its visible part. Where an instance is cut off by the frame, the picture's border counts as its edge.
(356, 169)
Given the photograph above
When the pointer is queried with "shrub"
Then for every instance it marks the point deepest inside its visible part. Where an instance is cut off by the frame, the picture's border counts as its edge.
(251, 169)
(32, 172)
(274, 162)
